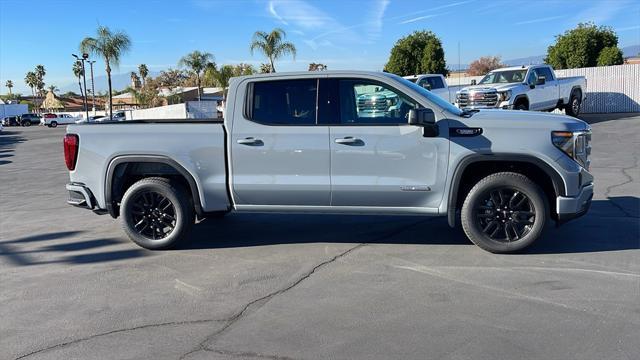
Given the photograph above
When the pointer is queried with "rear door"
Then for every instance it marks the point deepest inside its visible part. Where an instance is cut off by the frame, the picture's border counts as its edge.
(279, 155)
(377, 159)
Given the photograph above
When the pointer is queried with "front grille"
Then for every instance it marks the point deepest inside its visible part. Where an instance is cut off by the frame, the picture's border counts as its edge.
(372, 104)
(480, 99)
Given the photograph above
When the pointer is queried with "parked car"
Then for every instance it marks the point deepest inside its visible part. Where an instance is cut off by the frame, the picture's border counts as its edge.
(436, 83)
(29, 119)
(11, 121)
(534, 87)
(117, 116)
(296, 142)
(59, 119)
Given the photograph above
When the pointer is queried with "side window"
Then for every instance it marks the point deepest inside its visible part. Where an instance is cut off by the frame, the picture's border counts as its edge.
(546, 72)
(370, 103)
(533, 77)
(432, 83)
(283, 102)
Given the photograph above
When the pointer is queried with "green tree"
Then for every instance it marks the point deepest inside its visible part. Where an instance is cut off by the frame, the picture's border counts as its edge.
(265, 68)
(110, 46)
(581, 47)
(9, 85)
(418, 53)
(196, 62)
(433, 58)
(144, 72)
(77, 72)
(272, 45)
(53, 88)
(611, 55)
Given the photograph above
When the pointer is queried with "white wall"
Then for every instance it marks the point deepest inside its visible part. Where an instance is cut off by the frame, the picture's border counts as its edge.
(175, 111)
(609, 88)
(13, 109)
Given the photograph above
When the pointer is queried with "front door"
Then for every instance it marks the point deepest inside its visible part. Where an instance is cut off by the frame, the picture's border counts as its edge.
(279, 155)
(377, 159)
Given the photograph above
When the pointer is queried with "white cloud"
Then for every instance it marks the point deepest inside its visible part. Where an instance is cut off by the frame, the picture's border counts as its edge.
(418, 19)
(539, 20)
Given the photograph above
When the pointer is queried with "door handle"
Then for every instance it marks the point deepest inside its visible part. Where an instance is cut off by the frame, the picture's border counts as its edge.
(349, 140)
(250, 141)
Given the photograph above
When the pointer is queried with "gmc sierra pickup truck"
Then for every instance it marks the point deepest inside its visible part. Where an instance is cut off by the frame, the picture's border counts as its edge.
(534, 87)
(300, 143)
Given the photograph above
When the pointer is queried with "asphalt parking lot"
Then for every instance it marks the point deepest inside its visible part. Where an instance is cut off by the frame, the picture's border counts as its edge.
(314, 287)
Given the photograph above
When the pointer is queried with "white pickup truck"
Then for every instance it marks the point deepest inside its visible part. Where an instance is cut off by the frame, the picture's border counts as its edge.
(341, 142)
(435, 83)
(59, 119)
(534, 87)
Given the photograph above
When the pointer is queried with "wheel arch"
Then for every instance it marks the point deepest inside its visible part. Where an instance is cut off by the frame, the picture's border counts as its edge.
(464, 177)
(135, 166)
(521, 98)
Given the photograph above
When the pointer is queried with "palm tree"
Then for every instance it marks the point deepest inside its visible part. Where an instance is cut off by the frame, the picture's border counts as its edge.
(53, 88)
(78, 72)
(40, 73)
(144, 71)
(135, 80)
(110, 46)
(9, 85)
(222, 77)
(196, 61)
(31, 79)
(272, 45)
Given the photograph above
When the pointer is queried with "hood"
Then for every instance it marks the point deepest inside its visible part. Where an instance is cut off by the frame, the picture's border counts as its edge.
(527, 119)
(498, 87)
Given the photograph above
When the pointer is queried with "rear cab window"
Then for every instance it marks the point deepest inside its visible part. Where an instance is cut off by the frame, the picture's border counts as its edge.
(282, 102)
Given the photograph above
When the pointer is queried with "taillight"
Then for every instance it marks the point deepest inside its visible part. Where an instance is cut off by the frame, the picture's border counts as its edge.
(71, 142)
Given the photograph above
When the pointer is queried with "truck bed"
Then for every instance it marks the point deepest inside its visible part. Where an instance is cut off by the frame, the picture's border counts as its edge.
(196, 145)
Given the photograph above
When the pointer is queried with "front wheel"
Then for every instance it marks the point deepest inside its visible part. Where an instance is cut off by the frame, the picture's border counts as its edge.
(156, 213)
(504, 212)
(53, 124)
(26, 123)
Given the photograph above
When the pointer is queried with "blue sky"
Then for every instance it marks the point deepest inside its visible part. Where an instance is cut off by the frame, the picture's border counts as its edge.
(344, 34)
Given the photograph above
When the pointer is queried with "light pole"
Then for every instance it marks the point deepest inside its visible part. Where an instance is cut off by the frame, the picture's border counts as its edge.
(84, 77)
(93, 90)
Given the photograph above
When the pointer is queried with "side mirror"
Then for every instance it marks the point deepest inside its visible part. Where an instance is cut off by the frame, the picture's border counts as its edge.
(541, 80)
(422, 117)
(473, 82)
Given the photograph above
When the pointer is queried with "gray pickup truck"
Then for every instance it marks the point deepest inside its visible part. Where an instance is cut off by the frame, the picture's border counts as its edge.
(301, 143)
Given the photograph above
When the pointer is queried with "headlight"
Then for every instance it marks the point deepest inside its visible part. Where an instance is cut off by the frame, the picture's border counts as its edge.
(505, 95)
(575, 144)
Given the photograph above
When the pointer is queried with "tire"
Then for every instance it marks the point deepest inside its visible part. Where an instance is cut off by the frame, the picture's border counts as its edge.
(521, 106)
(154, 202)
(53, 124)
(574, 105)
(26, 123)
(501, 225)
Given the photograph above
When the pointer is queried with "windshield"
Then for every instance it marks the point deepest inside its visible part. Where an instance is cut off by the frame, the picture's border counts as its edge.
(429, 95)
(504, 77)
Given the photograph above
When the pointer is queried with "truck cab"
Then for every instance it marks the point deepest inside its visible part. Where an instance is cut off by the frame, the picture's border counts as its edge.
(436, 83)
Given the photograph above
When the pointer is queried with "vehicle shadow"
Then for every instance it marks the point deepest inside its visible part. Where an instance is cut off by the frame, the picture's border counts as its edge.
(596, 118)
(606, 101)
(592, 233)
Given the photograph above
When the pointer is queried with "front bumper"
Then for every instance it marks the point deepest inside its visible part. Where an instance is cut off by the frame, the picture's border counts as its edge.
(569, 208)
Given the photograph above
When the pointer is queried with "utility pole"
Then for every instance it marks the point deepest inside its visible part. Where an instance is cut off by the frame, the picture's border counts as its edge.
(93, 89)
(84, 77)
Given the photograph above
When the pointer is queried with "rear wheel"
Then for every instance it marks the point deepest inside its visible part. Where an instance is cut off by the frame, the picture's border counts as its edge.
(156, 213)
(573, 107)
(26, 123)
(504, 212)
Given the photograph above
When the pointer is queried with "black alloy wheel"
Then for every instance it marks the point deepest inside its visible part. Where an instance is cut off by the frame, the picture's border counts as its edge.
(505, 214)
